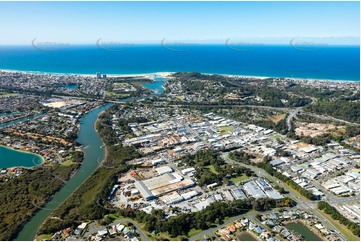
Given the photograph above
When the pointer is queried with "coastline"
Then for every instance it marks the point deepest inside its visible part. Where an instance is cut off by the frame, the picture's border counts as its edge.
(166, 74)
(24, 151)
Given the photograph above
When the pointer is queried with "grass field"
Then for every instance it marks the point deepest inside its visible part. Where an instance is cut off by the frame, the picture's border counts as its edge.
(194, 232)
(113, 215)
(277, 118)
(67, 162)
(121, 84)
(342, 228)
(44, 237)
(212, 169)
(239, 178)
(7, 94)
(116, 95)
(225, 129)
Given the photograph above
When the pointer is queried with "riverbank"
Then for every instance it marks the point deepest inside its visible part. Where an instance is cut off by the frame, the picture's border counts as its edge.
(101, 138)
(26, 152)
(88, 137)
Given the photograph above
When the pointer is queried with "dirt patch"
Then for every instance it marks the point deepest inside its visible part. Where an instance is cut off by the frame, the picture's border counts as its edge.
(277, 118)
(315, 129)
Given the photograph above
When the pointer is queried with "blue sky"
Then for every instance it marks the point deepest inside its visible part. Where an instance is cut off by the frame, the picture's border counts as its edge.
(86, 22)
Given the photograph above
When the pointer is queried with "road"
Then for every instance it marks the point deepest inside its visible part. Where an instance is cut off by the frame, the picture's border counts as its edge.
(291, 116)
(304, 204)
(231, 105)
(330, 118)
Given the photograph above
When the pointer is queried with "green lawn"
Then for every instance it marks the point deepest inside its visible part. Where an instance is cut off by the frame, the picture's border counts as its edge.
(239, 178)
(113, 215)
(67, 163)
(342, 228)
(7, 94)
(44, 237)
(225, 129)
(213, 170)
(116, 95)
(194, 232)
(121, 84)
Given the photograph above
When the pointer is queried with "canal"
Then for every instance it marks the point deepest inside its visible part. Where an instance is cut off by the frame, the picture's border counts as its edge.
(93, 153)
(302, 229)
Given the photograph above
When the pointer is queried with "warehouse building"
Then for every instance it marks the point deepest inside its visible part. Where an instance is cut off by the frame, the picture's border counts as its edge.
(238, 194)
(255, 191)
(161, 185)
(164, 169)
(277, 162)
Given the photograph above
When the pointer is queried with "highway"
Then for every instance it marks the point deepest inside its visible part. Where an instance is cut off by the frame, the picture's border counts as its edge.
(291, 116)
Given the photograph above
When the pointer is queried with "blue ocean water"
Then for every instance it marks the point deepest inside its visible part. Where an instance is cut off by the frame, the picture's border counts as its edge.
(325, 62)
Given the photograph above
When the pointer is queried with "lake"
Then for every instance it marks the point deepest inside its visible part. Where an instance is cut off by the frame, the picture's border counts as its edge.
(15, 158)
(302, 229)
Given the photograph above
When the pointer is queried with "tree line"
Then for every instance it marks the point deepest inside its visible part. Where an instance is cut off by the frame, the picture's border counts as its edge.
(332, 211)
(265, 165)
(213, 214)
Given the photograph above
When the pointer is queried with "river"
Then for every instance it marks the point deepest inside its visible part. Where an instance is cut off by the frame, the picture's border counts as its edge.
(93, 154)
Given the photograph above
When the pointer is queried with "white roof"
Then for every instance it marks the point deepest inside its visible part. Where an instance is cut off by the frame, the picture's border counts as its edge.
(163, 169)
(82, 226)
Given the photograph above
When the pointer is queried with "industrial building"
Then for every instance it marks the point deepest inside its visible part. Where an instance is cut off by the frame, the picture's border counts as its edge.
(164, 169)
(188, 170)
(238, 194)
(254, 190)
(161, 185)
(277, 162)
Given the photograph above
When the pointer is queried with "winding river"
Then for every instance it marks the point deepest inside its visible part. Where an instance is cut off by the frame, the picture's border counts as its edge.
(93, 155)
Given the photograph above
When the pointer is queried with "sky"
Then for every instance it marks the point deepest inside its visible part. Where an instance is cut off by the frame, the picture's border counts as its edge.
(87, 22)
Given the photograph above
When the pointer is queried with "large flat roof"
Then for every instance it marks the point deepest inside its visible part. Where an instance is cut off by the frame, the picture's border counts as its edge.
(143, 189)
(254, 190)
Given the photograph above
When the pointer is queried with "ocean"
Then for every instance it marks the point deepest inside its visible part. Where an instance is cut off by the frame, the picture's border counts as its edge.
(324, 62)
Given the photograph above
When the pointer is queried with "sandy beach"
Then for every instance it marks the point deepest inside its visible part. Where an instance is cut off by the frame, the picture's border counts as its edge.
(167, 74)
